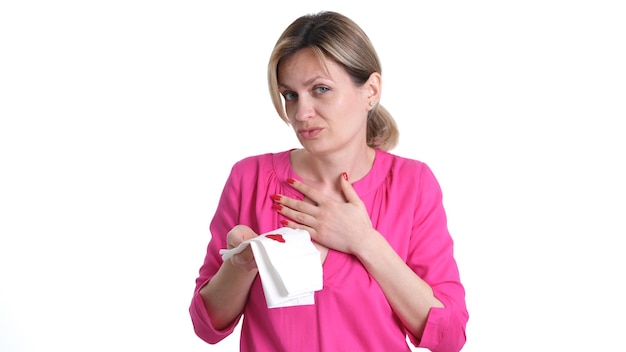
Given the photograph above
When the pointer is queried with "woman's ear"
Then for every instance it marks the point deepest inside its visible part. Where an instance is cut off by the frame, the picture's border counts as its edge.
(373, 88)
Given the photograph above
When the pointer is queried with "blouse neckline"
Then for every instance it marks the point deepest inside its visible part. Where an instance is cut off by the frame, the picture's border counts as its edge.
(371, 181)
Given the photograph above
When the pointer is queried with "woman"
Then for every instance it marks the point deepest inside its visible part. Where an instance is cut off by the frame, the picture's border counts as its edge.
(376, 218)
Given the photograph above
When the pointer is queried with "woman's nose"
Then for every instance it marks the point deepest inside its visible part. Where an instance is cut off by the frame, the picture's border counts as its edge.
(304, 109)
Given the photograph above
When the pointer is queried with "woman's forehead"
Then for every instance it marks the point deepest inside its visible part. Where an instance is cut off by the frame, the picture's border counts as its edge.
(307, 65)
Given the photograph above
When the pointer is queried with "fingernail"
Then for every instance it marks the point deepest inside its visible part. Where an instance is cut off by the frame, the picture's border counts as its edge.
(345, 175)
(276, 197)
(291, 181)
(277, 206)
(284, 222)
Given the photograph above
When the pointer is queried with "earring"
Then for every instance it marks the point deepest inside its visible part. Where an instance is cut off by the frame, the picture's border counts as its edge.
(371, 104)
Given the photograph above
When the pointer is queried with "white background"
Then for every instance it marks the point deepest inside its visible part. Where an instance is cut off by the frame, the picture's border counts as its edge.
(120, 121)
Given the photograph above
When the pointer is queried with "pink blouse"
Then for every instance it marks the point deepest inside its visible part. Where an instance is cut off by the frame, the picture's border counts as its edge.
(351, 313)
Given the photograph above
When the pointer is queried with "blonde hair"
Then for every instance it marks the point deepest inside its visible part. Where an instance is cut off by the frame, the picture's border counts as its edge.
(334, 36)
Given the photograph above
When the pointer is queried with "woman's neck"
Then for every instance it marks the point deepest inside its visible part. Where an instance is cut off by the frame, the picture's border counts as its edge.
(323, 171)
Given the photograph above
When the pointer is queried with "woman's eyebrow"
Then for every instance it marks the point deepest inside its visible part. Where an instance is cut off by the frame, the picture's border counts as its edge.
(306, 83)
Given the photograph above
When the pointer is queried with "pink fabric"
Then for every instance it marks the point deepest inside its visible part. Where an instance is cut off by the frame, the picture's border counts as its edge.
(350, 313)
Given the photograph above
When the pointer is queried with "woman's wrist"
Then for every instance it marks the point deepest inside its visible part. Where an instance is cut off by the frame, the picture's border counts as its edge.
(371, 244)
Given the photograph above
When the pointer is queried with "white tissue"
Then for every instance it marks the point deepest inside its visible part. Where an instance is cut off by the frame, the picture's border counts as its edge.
(291, 271)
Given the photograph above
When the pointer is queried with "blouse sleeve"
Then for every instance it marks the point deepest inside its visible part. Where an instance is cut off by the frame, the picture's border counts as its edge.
(431, 257)
(225, 218)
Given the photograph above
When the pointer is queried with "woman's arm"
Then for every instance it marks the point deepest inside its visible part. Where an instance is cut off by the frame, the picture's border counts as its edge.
(222, 288)
(225, 295)
(410, 297)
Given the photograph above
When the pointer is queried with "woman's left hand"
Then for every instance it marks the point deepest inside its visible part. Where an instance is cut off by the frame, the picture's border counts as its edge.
(331, 223)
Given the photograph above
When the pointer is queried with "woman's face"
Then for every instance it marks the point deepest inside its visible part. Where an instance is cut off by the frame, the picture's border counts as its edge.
(327, 110)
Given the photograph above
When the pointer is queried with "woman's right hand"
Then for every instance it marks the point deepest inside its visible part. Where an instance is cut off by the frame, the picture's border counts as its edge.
(235, 237)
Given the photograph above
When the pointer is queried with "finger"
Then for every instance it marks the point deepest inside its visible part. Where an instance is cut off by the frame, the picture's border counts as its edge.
(238, 234)
(244, 259)
(294, 204)
(248, 265)
(348, 190)
(307, 190)
(297, 215)
(295, 225)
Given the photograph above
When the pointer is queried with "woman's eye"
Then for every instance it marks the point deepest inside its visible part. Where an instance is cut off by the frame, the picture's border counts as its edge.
(289, 95)
(321, 89)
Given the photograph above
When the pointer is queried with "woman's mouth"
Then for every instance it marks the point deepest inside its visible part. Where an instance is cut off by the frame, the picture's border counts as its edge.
(309, 133)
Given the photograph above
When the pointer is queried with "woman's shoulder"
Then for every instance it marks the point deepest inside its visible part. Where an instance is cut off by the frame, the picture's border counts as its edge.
(261, 163)
(411, 174)
(407, 167)
(400, 163)
(262, 159)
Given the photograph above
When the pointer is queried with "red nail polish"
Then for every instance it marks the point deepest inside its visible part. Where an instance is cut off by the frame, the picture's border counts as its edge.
(291, 181)
(277, 206)
(276, 197)
(345, 175)
(284, 222)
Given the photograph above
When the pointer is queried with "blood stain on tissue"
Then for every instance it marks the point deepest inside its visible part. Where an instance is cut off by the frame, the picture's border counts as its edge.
(276, 237)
